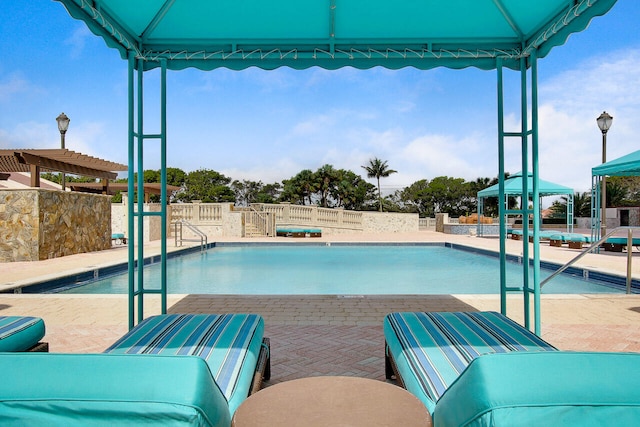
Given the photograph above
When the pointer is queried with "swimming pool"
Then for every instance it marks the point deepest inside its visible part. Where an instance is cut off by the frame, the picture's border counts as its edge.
(337, 270)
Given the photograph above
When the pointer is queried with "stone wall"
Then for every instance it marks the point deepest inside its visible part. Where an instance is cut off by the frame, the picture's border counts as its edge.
(152, 229)
(383, 222)
(39, 224)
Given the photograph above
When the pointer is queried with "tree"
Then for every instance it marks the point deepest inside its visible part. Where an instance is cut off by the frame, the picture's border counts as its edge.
(351, 191)
(378, 169)
(208, 186)
(450, 195)
(269, 193)
(324, 180)
(248, 192)
(617, 193)
(415, 198)
(299, 188)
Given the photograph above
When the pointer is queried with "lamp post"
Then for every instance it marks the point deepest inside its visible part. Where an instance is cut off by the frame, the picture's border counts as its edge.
(63, 125)
(604, 123)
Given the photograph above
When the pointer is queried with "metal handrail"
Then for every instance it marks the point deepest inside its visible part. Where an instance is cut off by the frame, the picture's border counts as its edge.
(202, 236)
(596, 245)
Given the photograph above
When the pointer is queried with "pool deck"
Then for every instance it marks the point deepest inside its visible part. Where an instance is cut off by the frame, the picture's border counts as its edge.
(326, 335)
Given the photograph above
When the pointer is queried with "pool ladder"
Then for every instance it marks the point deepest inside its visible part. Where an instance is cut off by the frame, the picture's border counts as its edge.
(201, 236)
(595, 246)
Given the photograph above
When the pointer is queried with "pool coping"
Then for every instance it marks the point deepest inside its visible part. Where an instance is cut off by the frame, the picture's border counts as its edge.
(76, 279)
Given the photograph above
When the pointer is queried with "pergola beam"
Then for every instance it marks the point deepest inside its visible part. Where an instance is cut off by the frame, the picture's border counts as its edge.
(47, 163)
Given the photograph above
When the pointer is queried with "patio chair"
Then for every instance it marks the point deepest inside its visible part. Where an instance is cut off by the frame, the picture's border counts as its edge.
(427, 352)
(232, 345)
(22, 333)
(544, 388)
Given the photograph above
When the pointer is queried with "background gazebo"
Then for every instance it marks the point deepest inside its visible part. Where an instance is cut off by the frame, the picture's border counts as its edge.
(513, 187)
(628, 165)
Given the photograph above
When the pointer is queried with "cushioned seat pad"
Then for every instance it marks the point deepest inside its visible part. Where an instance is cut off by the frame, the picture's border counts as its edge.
(230, 344)
(20, 333)
(430, 350)
(544, 389)
(48, 389)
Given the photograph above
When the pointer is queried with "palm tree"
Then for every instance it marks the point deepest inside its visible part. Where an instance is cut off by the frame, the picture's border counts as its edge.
(378, 169)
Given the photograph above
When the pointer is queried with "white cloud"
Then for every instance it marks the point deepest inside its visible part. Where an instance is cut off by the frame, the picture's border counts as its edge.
(570, 141)
(78, 40)
(13, 85)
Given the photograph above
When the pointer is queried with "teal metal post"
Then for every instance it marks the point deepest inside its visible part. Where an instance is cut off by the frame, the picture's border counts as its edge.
(130, 188)
(524, 113)
(163, 185)
(536, 191)
(501, 207)
(140, 202)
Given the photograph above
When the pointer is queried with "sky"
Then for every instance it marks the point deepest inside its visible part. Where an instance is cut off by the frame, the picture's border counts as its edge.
(269, 125)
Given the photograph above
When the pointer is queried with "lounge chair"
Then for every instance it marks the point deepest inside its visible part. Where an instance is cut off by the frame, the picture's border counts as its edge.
(232, 345)
(48, 389)
(118, 239)
(22, 333)
(177, 369)
(428, 351)
(483, 369)
(544, 388)
(299, 232)
(574, 240)
(618, 244)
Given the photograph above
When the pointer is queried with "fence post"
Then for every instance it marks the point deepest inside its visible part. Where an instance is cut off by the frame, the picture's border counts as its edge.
(196, 211)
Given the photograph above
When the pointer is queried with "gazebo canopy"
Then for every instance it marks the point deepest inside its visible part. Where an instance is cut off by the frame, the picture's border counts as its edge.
(628, 165)
(513, 187)
(208, 34)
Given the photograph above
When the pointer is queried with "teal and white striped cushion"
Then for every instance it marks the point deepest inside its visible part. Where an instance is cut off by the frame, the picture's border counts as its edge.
(230, 343)
(432, 349)
(20, 333)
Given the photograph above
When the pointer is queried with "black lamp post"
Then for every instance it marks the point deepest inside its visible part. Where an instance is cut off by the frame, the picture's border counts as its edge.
(604, 123)
(63, 125)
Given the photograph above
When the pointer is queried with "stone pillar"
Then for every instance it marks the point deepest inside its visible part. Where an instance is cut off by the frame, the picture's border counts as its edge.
(441, 220)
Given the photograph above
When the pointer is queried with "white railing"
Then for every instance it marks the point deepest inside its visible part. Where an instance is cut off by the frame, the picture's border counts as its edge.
(427, 223)
(312, 216)
(198, 213)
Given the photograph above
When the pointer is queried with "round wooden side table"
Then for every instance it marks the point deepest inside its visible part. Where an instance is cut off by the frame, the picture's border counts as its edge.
(332, 401)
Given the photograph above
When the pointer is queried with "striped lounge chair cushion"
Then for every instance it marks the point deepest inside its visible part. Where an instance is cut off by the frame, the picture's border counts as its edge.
(430, 350)
(20, 333)
(230, 343)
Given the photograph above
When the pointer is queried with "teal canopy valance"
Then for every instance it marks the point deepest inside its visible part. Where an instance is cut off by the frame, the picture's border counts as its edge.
(208, 34)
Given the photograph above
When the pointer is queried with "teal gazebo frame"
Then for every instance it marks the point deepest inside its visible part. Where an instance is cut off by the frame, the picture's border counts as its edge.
(627, 165)
(208, 34)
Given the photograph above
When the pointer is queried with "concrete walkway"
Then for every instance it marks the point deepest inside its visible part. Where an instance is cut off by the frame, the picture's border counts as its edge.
(326, 335)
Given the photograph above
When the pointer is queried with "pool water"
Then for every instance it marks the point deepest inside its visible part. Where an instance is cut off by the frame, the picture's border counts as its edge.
(336, 270)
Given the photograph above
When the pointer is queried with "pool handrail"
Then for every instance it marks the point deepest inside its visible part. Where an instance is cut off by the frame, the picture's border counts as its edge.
(202, 237)
(596, 245)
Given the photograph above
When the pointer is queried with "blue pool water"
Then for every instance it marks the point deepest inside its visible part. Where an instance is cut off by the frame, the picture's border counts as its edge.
(337, 270)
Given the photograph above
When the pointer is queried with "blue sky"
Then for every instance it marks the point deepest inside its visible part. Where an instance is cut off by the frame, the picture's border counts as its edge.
(269, 125)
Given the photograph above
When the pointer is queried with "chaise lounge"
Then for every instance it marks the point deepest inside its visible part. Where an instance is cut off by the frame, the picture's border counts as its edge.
(299, 232)
(178, 369)
(481, 368)
(22, 333)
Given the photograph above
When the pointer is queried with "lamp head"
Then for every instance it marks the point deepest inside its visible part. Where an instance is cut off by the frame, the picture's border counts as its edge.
(604, 122)
(63, 123)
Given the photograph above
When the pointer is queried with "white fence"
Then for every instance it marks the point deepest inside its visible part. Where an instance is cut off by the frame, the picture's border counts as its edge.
(222, 219)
